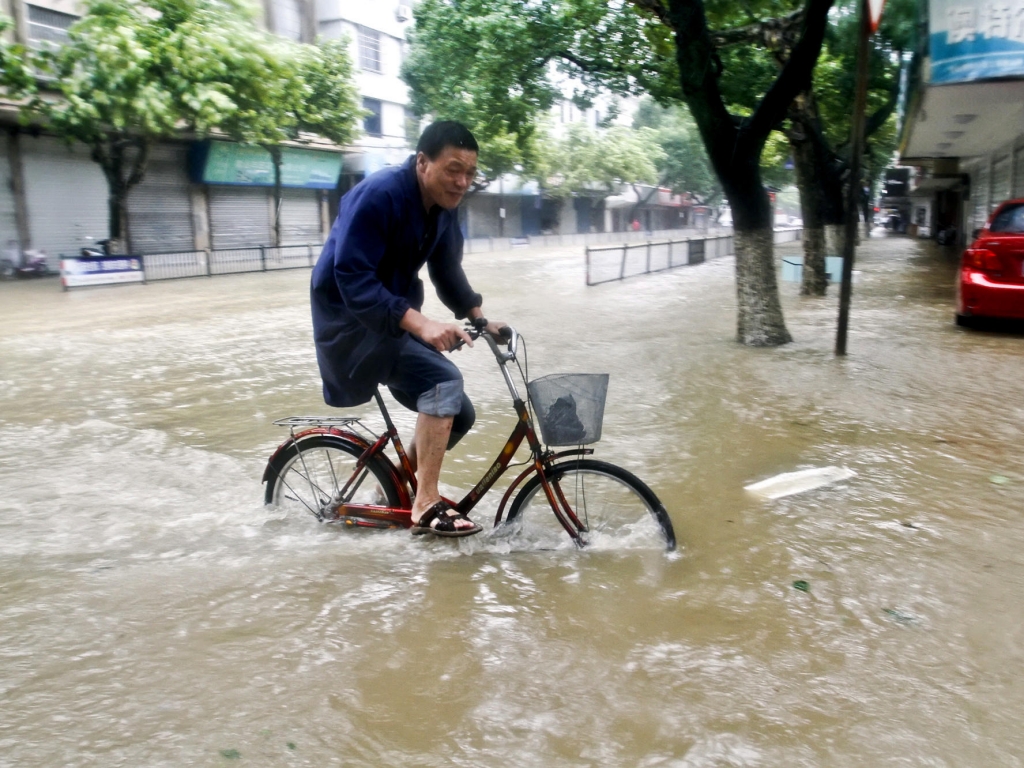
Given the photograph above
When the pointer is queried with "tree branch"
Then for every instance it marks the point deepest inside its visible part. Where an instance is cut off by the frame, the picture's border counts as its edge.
(772, 34)
(657, 9)
(795, 76)
(878, 118)
(590, 67)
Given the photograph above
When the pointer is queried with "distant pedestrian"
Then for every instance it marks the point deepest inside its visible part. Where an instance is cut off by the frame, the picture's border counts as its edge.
(636, 225)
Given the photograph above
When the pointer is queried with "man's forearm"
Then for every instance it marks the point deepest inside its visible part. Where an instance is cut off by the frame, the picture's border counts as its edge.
(414, 322)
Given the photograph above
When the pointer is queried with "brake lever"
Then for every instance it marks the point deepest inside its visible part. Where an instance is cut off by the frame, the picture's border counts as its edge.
(474, 334)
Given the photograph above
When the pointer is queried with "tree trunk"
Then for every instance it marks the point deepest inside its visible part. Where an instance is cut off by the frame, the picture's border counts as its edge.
(123, 170)
(735, 147)
(759, 321)
(276, 156)
(835, 238)
(814, 281)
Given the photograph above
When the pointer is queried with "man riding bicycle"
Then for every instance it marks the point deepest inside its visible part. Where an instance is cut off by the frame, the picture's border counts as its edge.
(366, 299)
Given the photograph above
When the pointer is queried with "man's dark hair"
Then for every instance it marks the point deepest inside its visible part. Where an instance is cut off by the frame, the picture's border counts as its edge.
(445, 133)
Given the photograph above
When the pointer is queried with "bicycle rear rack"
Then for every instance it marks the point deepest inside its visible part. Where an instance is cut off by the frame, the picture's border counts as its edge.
(316, 421)
(300, 423)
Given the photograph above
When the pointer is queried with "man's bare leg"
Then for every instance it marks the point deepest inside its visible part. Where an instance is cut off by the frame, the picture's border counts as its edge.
(429, 445)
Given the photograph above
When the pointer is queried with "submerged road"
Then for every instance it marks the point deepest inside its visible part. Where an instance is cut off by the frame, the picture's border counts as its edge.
(154, 612)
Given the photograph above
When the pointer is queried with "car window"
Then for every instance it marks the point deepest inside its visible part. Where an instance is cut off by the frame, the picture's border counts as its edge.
(1009, 220)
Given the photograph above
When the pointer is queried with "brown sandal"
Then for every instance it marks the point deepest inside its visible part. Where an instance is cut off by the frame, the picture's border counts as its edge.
(443, 518)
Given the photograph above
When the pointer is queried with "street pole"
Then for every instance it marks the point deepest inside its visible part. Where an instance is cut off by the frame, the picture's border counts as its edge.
(853, 192)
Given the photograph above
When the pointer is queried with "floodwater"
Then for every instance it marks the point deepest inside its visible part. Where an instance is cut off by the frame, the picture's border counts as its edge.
(153, 612)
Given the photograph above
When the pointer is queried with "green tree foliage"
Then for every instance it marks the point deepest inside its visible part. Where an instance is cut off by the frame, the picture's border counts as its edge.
(496, 64)
(684, 166)
(16, 78)
(596, 162)
(134, 72)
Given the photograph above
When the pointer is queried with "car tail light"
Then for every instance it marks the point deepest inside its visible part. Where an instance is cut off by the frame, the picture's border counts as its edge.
(983, 259)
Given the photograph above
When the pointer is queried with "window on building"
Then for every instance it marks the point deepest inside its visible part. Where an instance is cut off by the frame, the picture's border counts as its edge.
(372, 122)
(287, 19)
(369, 49)
(412, 127)
(47, 28)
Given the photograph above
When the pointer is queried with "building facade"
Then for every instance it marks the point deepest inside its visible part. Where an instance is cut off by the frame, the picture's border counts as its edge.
(963, 114)
(194, 196)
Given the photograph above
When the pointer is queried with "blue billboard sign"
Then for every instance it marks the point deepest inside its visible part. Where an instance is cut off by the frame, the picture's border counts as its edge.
(975, 40)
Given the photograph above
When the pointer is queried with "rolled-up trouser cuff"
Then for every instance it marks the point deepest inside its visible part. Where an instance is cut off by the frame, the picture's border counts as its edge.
(444, 399)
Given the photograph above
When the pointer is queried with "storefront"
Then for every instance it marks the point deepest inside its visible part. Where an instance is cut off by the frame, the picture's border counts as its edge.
(240, 184)
(8, 221)
(159, 208)
(65, 195)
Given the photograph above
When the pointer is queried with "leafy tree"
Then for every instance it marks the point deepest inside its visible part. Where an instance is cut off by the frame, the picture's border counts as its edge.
(818, 125)
(684, 166)
(494, 63)
(133, 73)
(596, 162)
(15, 77)
(508, 97)
(313, 93)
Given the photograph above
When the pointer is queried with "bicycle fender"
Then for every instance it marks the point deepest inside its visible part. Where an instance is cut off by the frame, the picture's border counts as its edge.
(350, 436)
(528, 471)
(508, 493)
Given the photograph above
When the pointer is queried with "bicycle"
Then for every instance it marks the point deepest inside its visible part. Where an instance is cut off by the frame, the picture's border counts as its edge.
(325, 464)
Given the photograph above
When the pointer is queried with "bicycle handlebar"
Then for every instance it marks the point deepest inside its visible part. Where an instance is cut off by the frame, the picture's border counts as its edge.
(478, 328)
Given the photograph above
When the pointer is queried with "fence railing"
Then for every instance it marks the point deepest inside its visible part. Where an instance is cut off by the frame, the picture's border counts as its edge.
(228, 261)
(633, 258)
(487, 244)
(606, 263)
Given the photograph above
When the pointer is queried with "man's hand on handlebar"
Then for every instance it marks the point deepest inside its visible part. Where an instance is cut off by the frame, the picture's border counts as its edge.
(445, 337)
(492, 327)
(441, 336)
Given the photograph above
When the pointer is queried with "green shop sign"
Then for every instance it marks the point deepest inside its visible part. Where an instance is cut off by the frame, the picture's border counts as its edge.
(221, 162)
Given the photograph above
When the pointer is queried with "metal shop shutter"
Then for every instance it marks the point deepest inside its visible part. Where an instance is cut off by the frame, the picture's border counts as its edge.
(1000, 181)
(159, 211)
(980, 193)
(240, 216)
(1018, 173)
(8, 224)
(300, 217)
(66, 195)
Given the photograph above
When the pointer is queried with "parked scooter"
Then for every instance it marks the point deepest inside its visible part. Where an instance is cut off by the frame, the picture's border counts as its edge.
(17, 263)
(102, 248)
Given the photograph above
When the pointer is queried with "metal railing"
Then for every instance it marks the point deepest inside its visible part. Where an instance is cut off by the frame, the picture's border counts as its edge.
(487, 244)
(617, 262)
(606, 263)
(228, 261)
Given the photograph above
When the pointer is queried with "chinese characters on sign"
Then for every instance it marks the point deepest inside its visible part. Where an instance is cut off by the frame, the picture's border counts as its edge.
(976, 41)
(965, 22)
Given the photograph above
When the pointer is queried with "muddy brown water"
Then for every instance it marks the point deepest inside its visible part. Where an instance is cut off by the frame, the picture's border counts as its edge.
(153, 612)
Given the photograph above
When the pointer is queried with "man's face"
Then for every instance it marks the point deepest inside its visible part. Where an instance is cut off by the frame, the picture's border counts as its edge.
(444, 180)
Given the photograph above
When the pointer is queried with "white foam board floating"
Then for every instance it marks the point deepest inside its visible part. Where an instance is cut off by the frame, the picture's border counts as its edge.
(789, 483)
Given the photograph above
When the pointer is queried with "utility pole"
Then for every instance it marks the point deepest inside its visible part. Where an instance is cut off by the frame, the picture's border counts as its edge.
(870, 13)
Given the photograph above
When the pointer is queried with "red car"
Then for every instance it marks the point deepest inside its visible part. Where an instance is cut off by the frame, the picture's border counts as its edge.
(991, 280)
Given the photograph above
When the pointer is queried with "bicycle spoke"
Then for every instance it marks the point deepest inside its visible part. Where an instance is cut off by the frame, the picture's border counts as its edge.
(326, 474)
(607, 506)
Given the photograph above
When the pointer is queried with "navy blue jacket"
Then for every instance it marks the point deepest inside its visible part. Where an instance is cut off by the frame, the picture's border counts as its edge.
(366, 280)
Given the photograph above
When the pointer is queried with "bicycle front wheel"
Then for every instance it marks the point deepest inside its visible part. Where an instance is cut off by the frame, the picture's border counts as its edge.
(614, 508)
(319, 472)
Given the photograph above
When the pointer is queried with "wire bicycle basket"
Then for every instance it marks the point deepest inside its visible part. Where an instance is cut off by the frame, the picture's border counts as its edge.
(569, 407)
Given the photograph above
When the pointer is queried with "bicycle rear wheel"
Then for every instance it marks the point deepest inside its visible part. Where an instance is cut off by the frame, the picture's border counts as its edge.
(311, 473)
(614, 507)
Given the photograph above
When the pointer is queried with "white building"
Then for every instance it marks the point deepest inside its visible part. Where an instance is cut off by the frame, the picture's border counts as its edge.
(376, 34)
